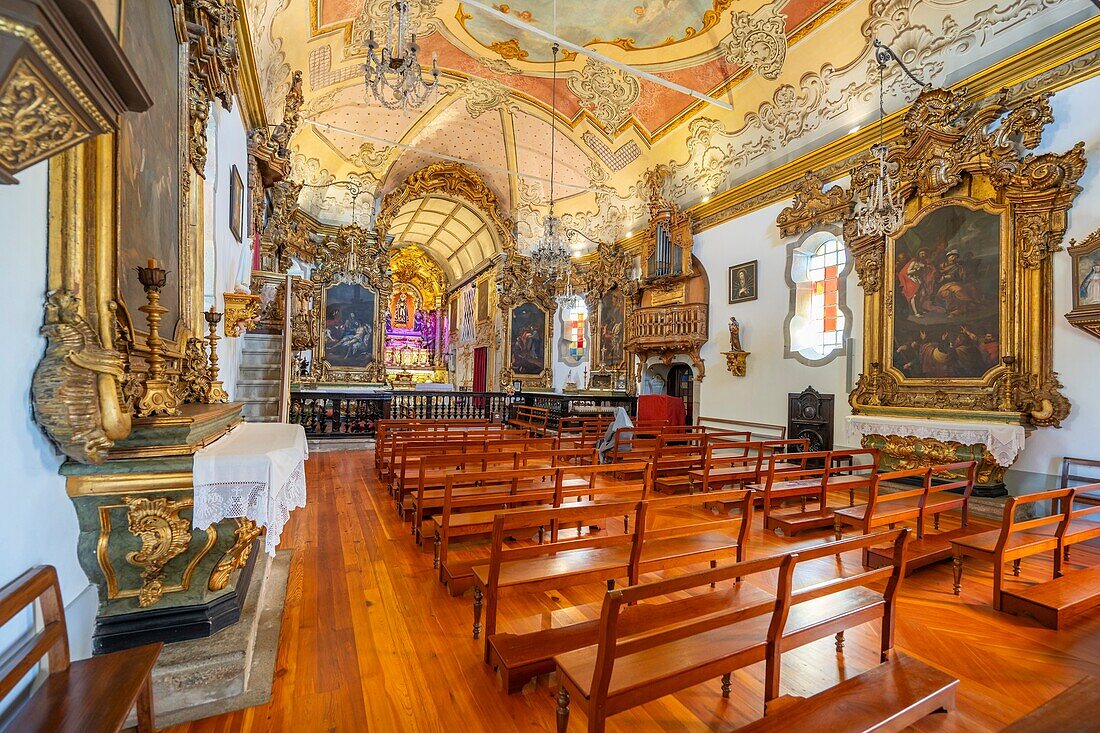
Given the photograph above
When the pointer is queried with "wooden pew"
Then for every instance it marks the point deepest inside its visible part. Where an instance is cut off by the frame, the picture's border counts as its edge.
(886, 508)
(623, 671)
(889, 697)
(795, 476)
(1016, 539)
(1056, 601)
(728, 464)
(557, 562)
(89, 696)
(384, 429)
(675, 456)
(396, 440)
(387, 439)
(415, 499)
(483, 509)
(527, 417)
(583, 432)
(406, 460)
(520, 657)
(759, 431)
(1072, 711)
(852, 470)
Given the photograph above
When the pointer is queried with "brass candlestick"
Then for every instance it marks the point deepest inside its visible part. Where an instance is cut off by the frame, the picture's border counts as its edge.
(157, 397)
(217, 392)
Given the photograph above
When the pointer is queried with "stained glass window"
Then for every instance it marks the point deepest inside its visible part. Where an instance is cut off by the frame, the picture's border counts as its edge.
(817, 324)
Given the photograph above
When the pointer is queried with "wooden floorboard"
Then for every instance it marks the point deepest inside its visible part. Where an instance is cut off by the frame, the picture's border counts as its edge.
(371, 642)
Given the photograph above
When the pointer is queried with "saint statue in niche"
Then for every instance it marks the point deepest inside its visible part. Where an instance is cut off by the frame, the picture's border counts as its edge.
(735, 334)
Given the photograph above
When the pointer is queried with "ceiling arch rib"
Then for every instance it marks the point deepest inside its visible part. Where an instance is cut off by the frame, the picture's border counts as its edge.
(452, 232)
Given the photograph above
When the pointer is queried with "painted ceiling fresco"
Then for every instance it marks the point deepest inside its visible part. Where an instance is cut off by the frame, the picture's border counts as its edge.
(797, 73)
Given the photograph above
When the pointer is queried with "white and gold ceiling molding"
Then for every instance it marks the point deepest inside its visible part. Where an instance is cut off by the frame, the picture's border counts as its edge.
(798, 73)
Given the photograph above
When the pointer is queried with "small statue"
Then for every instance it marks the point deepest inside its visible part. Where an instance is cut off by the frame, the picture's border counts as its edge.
(735, 335)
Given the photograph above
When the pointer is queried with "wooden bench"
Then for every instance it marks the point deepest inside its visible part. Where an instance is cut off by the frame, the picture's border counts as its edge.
(889, 697)
(556, 563)
(409, 454)
(527, 417)
(384, 429)
(482, 510)
(852, 470)
(621, 671)
(520, 657)
(674, 457)
(1015, 540)
(1072, 711)
(583, 432)
(757, 430)
(397, 441)
(728, 464)
(798, 476)
(89, 696)
(388, 439)
(1054, 602)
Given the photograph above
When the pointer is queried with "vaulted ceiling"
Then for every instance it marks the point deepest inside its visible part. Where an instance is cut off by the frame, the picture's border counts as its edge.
(797, 73)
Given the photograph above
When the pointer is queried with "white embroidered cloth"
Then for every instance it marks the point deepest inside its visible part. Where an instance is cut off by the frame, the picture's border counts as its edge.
(256, 471)
(1004, 442)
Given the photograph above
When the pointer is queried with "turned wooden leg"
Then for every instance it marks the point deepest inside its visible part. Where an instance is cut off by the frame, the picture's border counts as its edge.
(839, 642)
(713, 565)
(1016, 568)
(727, 683)
(611, 584)
(145, 721)
(1065, 554)
(563, 709)
(852, 496)
(998, 580)
(957, 573)
(935, 521)
(436, 550)
(542, 534)
(838, 531)
(477, 611)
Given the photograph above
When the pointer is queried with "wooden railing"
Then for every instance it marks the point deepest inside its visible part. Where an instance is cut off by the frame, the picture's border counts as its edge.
(338, 415)
(450, 405)
(662, 325)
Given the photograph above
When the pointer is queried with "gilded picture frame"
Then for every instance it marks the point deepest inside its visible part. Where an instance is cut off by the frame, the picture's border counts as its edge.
(1085, 281)
(236, 204)
(956, 154)
(527, 347)
(350, 324)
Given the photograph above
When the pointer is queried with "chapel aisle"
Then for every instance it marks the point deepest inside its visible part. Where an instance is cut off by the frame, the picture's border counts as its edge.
(371, 642)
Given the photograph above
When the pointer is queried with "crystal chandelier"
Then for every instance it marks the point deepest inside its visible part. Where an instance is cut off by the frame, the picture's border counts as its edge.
(882, 212)
(550, 259)
(394, 76)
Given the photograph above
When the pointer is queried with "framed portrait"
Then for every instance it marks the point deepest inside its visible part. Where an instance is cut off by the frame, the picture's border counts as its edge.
(528, 344)
(152, 160)
(947, 320)
(742, 282)
(482, 300)
(1086, 284)
(601, 381)
(236, 204)
(349, 337)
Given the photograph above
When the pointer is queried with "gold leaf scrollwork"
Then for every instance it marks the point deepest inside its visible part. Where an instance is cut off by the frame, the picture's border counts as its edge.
(34, 123)
(241, 312)
(194, 384)
(906, 452)
(236, 557)
(71, 381)
(164, 534)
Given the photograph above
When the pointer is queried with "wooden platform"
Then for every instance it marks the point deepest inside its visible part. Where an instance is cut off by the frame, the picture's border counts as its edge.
(792, 521)
(1074, 711)
(1055, 602)
(934, 547)
(371, 642)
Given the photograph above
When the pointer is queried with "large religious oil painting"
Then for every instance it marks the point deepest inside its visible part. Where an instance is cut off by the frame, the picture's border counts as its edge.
(612, 317)
(527, 340)
(150, 163)
(349, 326)
(947, 274)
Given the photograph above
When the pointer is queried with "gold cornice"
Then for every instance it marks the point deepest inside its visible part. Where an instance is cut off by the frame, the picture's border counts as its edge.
(252, 100)
(765, 189)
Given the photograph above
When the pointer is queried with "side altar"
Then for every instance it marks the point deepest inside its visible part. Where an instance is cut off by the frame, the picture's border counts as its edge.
(158, 578)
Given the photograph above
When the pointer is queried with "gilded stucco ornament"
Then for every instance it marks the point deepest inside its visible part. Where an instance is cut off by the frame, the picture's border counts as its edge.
(606, 92)
(164, 534)
(242, 310)
(953, 153)
(34, 122)
(72, 380)
(813, 206)
(758, 40)
(236, 557)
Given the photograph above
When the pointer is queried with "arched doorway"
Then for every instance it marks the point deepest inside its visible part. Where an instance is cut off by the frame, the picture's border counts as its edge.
(680, 383)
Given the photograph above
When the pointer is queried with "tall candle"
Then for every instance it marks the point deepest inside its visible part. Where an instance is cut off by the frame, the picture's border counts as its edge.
(152, 263)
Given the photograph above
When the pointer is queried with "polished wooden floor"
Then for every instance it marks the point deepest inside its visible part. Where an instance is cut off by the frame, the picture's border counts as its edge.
(371, 642)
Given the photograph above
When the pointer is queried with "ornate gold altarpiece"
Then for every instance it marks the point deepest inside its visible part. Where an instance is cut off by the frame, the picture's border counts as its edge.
(612, 271)
(130, 477)
(953, 153)
(518, 287)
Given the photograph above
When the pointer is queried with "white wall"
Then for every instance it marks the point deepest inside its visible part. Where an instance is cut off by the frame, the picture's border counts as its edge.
(38, 522)
(227, 146)
(761, 396)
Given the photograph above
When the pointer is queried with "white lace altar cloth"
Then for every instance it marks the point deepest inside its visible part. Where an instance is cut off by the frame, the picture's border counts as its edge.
(256, 471)
(1004, 442)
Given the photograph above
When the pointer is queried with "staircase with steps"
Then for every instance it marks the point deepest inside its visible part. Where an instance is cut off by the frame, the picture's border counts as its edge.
(259, 378)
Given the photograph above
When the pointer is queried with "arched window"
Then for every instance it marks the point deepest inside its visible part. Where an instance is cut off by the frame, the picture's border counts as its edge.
(819, 321)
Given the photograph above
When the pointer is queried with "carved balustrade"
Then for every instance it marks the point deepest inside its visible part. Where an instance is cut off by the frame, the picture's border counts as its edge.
(650, 328)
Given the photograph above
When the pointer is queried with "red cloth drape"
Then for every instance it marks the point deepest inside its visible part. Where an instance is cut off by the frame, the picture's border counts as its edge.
(657, 408)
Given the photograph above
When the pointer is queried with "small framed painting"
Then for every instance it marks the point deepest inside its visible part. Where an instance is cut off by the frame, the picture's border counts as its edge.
(742, 284)
(236, 204)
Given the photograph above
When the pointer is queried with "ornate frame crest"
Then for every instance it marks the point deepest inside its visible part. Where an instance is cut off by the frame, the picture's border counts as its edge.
(951, 152)
(1085, 316)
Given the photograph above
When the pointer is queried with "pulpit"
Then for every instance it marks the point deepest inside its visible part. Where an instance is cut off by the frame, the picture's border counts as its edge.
(911, 443)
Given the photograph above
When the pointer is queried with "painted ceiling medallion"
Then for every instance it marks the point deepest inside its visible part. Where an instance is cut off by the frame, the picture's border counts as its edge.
(606, 92)
(759, 40)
